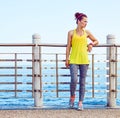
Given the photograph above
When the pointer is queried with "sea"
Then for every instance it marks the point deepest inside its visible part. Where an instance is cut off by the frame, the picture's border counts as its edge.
(96, 83)
(50, 98)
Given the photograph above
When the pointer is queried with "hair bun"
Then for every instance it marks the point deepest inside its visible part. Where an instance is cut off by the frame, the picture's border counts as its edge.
(77, 14)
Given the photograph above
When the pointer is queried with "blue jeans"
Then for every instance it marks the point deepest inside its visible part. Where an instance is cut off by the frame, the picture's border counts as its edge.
(74, 78)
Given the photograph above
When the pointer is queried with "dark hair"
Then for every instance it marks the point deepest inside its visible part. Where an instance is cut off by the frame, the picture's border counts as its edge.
(79, 16)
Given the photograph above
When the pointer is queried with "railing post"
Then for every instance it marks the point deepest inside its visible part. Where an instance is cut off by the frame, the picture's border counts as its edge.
(111, 72)
(37, 75)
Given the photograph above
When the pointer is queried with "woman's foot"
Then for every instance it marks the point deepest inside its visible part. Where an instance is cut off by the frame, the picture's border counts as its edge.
(80, 106)
(71, 102)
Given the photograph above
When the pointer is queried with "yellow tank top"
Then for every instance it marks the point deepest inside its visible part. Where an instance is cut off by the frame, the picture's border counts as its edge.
(79, 53)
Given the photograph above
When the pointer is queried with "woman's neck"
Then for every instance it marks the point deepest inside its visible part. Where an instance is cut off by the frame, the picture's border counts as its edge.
(79, 31)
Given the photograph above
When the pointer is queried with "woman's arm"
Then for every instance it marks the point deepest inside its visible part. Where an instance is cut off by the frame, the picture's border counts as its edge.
(93, 39)
(68, 48)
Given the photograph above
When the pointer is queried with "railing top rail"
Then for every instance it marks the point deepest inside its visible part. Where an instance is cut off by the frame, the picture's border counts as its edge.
(17, 44)
(64, 45)
(52, 45)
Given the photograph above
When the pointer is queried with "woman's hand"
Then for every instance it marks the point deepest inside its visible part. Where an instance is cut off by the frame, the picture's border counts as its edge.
(90, 47)
(67, 63)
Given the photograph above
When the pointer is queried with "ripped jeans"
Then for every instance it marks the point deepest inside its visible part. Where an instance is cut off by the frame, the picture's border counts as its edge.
(74, 79)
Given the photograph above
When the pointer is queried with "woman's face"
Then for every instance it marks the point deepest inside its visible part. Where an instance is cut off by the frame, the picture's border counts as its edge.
(83, 22)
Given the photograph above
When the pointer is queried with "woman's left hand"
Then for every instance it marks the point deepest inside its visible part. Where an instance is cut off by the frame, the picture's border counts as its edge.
(90, 47)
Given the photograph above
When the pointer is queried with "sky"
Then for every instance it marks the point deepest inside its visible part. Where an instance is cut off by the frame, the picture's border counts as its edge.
(52, 19)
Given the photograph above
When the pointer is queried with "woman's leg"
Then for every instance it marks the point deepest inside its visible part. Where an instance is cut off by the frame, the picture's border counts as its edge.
(83, 72)
(73, 83)
(74, 78)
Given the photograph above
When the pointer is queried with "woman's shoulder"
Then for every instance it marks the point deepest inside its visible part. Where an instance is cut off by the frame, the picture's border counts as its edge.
(87, 31)
(70, 32)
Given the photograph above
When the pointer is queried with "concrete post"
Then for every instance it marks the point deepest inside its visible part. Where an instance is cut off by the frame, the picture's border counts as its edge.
(37, 78)
(111, 54)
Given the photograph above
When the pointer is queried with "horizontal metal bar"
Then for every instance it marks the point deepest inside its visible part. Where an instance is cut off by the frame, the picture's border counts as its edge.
(11, 67)
(10, 60)
(10, 90)
(27, 60)
(29, 91)
(17, 44)
(10, 75)
(54, 68)
(15, 67)
(66, 75)
(28, 82)
(64, 45)
(10, 82)
(96, 91)
(15, 82)
(53, 45)
(87, 83)
(29, 75)
(20, 75)
(16, 90)
(52, 60)
(55, 83)
(55, 75)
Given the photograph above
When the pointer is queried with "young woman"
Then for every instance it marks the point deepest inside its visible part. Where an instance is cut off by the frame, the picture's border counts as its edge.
(77, 57)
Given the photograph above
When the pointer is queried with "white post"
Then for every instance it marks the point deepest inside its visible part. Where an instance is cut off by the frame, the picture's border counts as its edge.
(111, 64)
(37, 78)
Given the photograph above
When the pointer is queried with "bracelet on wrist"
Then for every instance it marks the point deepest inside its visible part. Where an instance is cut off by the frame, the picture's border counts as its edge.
(91, 44)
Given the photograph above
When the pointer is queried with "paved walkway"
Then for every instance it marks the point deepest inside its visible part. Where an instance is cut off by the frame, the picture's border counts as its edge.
(61, 113)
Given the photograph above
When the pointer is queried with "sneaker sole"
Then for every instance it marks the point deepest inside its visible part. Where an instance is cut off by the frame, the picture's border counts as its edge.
(79, 109)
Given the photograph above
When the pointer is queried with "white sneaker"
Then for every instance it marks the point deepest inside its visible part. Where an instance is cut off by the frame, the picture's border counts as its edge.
(80, 107)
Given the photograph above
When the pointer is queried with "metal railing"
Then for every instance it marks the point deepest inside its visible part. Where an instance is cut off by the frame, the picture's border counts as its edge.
(29, 71)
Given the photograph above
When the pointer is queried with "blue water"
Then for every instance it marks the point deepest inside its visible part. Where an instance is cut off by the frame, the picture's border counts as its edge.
(24, 99)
